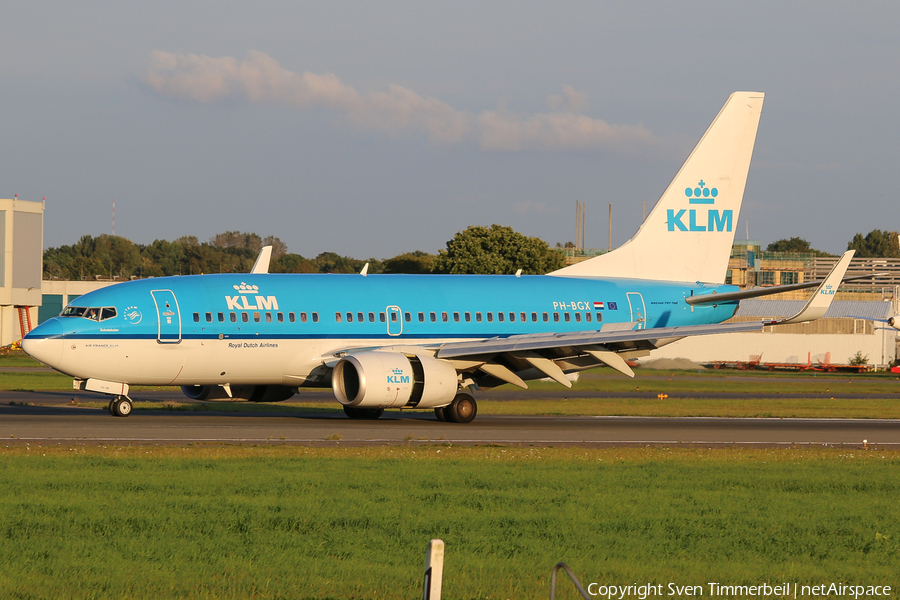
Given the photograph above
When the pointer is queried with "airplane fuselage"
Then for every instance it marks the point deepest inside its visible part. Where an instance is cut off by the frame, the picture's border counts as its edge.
(276, 329)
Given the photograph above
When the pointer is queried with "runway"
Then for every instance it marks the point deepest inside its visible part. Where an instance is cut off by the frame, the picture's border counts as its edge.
(60, 424)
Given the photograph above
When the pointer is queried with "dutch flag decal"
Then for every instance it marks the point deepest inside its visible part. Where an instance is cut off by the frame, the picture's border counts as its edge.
(598, 306)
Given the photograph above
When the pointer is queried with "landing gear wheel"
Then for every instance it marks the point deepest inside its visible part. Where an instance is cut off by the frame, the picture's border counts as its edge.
(439, 413)
(462, 410)
(122, 407)
(110, 407)
(363, 413)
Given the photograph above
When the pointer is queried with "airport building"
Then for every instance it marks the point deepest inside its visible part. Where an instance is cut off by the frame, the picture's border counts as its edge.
(22, 244)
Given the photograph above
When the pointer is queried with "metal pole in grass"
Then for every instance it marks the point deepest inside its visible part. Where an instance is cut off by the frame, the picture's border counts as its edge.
(578, 586)
(434, 570)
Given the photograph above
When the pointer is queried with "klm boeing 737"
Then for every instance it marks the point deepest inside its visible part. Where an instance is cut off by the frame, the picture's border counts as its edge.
(430, 341)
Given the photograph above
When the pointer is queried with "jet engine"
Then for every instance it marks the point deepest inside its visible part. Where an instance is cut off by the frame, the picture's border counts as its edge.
(253, 393)
(391, 379)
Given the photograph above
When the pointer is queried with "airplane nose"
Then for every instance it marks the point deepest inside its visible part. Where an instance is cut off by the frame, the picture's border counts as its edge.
(45, 342)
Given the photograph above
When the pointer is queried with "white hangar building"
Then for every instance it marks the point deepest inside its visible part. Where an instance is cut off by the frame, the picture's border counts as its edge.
(849, 327)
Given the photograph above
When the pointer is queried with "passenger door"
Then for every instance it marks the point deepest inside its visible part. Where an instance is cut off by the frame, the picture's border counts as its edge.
(168, 317)
(638, 310)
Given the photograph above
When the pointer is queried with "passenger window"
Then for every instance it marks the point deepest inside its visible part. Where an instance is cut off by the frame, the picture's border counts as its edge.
(433, 317)
(315, 317)
(468, 317)
(490, 317)
(546, 317)
(381, 317)
(568, 317)
(556, 317)
(587, 317)
(500, 316)
(196, 317)
(599, 317)
(478, 317)
(444, 317)
(407, 316)
(256, 317)
(421, 317)
(221, 317)
(456, 317)
(107, 313)
(349, 317)
(209, 317)
(245, 317)
(338, 317)
(302, 317)
(232, 317)
(361, 318)
(268, 317)
(578, 317)
(371, 317)
(292, 317)
(533, 317)
(281, 317)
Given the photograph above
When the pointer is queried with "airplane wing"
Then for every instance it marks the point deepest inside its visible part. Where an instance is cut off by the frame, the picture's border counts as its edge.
(553, 354)
(513, 359)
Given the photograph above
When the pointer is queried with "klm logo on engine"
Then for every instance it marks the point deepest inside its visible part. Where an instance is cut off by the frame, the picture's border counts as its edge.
(246, 293)
(698, 219)
(397, 376)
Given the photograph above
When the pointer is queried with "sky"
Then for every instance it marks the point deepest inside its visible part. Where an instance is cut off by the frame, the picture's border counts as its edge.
(376, 128)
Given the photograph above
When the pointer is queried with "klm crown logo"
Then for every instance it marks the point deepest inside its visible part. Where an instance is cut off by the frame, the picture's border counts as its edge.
(701, 194)
(714, 220)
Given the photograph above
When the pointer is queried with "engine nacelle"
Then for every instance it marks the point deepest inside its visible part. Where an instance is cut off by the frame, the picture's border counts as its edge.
(393, 380)
(253, 393)
(894, 322)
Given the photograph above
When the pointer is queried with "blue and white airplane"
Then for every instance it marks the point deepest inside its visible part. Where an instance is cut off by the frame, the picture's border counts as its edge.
(428, 341)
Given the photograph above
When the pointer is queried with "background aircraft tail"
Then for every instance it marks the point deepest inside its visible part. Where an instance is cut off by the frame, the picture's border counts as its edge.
(689, 233)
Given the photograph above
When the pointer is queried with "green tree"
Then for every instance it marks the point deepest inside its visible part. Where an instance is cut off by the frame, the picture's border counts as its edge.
(877, 244)
(497, 250)
(795, 244)
(417, 262)
(293, 263)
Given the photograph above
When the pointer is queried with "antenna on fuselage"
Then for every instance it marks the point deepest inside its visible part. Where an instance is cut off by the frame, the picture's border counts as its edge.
(262, 261)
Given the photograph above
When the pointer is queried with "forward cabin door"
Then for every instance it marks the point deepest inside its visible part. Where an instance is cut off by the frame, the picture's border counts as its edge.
(168, 316)
(638, 310)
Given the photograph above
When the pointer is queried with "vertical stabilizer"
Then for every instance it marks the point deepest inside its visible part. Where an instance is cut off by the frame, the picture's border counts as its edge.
(689, 233)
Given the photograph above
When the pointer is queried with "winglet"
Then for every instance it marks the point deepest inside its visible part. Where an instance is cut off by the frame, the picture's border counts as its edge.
(818, 305)
(262, 261)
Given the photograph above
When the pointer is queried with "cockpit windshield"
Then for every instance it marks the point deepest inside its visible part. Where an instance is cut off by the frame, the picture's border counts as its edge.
(90, 313)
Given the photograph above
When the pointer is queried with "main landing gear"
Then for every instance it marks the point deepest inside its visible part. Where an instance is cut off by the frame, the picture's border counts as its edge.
(462, 410)
(120, 406)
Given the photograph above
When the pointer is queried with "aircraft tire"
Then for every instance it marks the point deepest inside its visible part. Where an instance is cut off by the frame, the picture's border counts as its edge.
(439, 413)
(122, 407)
(462, 410)
(363, 413)
(110, 408)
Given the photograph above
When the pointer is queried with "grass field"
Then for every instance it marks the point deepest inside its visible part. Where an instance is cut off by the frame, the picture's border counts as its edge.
(250, 522)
